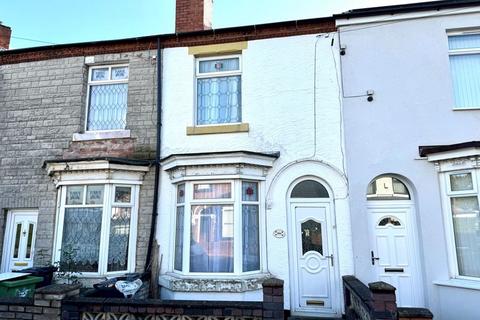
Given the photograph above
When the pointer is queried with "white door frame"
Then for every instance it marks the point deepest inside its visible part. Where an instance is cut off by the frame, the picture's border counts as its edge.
(335, 282)
(412, 233)
(7, 240)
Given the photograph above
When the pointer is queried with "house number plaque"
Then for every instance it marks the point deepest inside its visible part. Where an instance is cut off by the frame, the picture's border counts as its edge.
(279, 233)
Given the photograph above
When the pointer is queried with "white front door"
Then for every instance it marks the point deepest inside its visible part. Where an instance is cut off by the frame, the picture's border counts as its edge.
(313, 274)
(19, 241)
(394, 251)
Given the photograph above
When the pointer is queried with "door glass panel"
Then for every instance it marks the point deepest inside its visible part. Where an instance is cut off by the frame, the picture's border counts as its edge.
(118, 239)
(16, 246)
(312, 236)
(389, 221)
(29, 240)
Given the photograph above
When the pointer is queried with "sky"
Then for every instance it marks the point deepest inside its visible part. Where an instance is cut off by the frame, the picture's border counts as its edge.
(68, 21)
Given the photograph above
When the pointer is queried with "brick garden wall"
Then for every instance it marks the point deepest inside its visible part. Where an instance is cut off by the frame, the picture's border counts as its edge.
(42, 104)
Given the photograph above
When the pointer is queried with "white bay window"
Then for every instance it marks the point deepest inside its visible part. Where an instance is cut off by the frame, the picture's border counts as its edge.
(464, 221)
(96, 227)
(97, 214)
(217, 227)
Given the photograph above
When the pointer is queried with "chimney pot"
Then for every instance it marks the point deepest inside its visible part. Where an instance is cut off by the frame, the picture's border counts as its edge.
(193, 15)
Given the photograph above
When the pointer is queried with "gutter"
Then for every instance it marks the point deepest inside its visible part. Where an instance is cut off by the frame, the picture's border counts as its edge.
(148, 260)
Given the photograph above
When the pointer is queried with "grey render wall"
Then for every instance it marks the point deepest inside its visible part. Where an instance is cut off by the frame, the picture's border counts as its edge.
(407, 65)
(42, 104)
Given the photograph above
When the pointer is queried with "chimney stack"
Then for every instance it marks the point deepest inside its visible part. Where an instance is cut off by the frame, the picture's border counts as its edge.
(5, 33)
(193, 15)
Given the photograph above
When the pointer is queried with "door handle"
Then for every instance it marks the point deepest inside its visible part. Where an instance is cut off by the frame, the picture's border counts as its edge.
(373, 258)
(331, 258)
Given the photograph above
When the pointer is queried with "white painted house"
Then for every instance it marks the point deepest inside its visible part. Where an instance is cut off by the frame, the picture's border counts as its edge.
(253, 179)
(411, 83)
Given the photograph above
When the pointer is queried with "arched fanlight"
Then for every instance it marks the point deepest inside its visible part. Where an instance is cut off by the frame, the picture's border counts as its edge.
(387, 188)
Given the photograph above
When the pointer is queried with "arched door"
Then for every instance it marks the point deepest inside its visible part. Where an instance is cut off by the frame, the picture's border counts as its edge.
(394, 247)
(312, 248)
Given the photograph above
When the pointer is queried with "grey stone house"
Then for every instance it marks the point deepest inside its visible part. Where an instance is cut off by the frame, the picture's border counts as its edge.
(67, 122)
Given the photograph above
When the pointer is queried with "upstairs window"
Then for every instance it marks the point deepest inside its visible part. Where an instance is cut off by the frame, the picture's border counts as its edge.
(464, 52)
(218, 90)
(107, 98)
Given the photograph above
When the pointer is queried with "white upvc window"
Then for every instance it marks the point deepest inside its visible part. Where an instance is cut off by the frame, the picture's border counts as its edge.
(217, 227)
(96, 228)
(462, 218)
(219, 90)
(107, 98)
(464, 55)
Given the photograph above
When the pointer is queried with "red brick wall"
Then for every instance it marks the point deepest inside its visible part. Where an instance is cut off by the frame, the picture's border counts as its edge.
(246, 33)
(5, 33)
(119, 148)
(189, 15)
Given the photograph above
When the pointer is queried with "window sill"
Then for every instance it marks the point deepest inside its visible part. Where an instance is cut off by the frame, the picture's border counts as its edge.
(179, 283)
(215, 129)
(459, 283)
(466, 109)
(101, 135)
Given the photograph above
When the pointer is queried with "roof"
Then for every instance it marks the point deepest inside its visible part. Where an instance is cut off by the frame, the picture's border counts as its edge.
(427, 150)
(113, 160)
(195, 38)
(405, 8)
(273, 155)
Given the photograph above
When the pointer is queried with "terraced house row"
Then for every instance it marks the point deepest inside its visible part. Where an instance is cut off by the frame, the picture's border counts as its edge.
(306, 151)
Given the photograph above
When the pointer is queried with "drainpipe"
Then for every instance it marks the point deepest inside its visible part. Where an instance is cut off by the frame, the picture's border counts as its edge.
(148, 261)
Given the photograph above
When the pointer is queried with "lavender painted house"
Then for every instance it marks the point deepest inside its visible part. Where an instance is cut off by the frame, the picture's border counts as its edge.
(411, 80)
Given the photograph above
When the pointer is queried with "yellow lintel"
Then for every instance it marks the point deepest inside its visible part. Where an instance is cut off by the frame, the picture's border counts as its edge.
(227, 128)
(213, 49)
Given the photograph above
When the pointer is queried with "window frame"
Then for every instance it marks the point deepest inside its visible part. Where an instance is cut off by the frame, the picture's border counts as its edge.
(208, 75)
(448, 218)
(91, 83)
(459, 52)
(107, 205)
(236, 202)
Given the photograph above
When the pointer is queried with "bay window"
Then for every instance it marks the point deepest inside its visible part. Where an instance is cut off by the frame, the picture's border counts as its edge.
(96, 228)
(217, 227)
(464, 221)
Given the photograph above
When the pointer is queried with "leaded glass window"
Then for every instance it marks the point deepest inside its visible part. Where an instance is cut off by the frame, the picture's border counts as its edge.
(96, 216)
(219, 90)
(107, 100)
